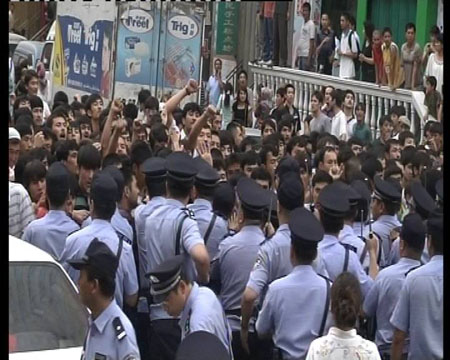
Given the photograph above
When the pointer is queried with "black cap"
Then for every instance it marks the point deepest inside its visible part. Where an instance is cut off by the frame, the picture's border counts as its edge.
(164, 277)
(202, 345)
(290, 192)
(439, 187)
(206, 176)
(305, 227)
(435, 222)
(353, 196)
(386, 190)
(334, 201)
(224, 199)
(287, 164)
(180, 167)
(117, 175)
(413, 229)
(100, 257)
(253, 197)
(363, 190)
(58, 179)
(104, 188)
(155, 168)
(422, 199)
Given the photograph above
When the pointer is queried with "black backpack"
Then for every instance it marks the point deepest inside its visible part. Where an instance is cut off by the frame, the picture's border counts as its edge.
(355, 61)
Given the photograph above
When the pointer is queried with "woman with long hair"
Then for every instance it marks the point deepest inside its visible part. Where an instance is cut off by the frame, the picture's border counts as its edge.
(224, 104)
(342, 342)
(241, 109)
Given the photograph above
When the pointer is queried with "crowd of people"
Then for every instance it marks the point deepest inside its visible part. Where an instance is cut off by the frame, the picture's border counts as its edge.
(314, 240)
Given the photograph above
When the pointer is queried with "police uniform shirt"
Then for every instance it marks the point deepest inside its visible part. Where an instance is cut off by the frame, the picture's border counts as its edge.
(78, 242)
(383, 296)
(237, 255)
(348, 236)
(382, 228)
(50, 232)
(203, 311)
(203, 211)
(273, 260)
(160, 234)
(293, 310)
(110, 339)
(140, 215)
(122, 226)
(357, 225)
(419, 310)
(333, 256)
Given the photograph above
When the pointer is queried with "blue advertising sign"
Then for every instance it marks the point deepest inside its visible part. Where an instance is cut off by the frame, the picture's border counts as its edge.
(134, 42)
(87, 54)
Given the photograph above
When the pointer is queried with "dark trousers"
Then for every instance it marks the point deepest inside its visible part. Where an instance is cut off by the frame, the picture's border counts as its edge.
(268, 39)
(259, 349)
(165, 337)
(141, 324)
(279, 39)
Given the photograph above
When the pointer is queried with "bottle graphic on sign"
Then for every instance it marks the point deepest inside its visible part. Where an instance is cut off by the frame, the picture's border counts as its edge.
(76, 64)
(84, 66)
(93, 68)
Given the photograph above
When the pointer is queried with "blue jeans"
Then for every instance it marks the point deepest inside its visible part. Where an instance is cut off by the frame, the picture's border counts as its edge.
(268, 39)
(303, 64)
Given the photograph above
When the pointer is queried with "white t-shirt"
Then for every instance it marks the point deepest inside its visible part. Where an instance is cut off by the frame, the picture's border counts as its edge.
(435, 68)
(307, 33)
(346, 65)
(339, 126)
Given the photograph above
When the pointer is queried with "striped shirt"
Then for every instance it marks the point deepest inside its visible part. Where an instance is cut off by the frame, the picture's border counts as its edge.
(20, 209)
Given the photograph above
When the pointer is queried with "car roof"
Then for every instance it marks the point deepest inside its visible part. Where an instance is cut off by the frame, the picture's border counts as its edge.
(22, 251)
(16, 38)
(30, 44)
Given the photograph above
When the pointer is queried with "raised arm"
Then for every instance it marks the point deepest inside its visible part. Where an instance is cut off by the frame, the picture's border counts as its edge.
(190, 88)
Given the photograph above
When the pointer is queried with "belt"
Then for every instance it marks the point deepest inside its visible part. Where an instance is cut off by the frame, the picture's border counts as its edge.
(235, 312)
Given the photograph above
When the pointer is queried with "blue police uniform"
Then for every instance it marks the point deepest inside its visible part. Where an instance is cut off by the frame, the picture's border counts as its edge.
(296, 307)
(202, 345)
(419, 310)
(110, 335)
(349, 237)
(50, 232)
(122, 226)
(103, 189)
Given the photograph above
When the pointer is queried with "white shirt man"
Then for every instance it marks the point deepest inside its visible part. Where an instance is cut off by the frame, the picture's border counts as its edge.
(346, 48)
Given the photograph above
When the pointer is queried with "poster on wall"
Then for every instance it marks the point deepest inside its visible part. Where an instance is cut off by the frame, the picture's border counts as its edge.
(86, 54)
(134, 40)
(299, 21)
(182, 49)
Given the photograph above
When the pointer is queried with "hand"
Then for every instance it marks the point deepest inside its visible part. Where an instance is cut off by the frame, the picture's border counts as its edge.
(210, 112)
(38, 140)
(233, 222)
(244, 340)
(97, 145)
(80, 215)
(269, 230)
(191, 87)
(116, 107)
(339, 52)
(336, 172)
(175, 139)
(137, 124)
(372, 243)
(204, 151)
(394, 234)
(335, 63)
(361, 57)
(121, 124)
(77, 97)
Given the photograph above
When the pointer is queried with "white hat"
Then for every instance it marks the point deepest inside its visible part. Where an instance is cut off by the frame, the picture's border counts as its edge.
(404, 120)
(13, 134)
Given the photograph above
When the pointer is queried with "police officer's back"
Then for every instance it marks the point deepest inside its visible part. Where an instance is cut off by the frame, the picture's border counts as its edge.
(110, 334)
(50, 232)
(103, 200)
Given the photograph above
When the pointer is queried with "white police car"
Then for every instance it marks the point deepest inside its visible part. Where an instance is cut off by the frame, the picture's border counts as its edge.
(46, 317)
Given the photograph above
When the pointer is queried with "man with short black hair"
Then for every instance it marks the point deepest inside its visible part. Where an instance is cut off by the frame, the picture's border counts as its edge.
(289, 104)
(392, 149)
(89, 161)
(31, 82)
(285, 127)
(338, 122)
(94, 108)
(348, 108)
(269, 159)
(320, 122)
(249, 161)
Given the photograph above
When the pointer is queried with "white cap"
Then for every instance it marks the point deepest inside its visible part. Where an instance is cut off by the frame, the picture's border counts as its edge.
(13, 134)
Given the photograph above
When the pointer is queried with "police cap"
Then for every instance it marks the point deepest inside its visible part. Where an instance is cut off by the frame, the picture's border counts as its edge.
(290, 192)
(117, 175)
(202, 345)
(206, 176)
(253, 197)
(104, 188)
(180, 167)
(223, 199)
(164, 277)
(287, 165)
(304, 227)
(334, 200)
(413, 229)
(423, 201)
(99, 257)
(363, 190)
(155, 168)
(386, 190)
(58, 178)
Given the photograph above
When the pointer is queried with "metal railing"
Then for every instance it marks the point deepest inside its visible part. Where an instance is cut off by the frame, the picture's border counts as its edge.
(378, 100)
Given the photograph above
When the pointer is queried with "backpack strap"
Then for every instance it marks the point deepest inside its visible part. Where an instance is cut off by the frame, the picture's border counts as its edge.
(327, 305)
(181, 218)
(413, 268)
(210, 227)
(119, 251)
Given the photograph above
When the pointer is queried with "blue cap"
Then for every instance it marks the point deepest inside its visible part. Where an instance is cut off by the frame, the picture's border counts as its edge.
(180, 167)
(224, 199)
(305, 227)
(155, 168)
(413, 229)
(387, 190)
(290, 192)
(334, 200)
(104, 188)
(346, 190)
(253, 197)
(117, 175)
(287, 165)
(363, 190)
(422, 199)
(57, 178)
(202, 345)
(206, 176)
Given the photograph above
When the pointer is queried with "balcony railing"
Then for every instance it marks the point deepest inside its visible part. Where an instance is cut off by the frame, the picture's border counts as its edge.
(378, 100)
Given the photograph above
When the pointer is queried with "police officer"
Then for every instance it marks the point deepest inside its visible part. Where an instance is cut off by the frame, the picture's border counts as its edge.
(362, 216)
(172, 230)
(197, 306)
(385, 205)
(384, 294)
(421, 203)
(103, 197)
(202, 345)
(213, 228)
(273, 259)
(296, 307)
(421, 302)
(110, 334)
(333, 206)
(237, 254)
(50, 232)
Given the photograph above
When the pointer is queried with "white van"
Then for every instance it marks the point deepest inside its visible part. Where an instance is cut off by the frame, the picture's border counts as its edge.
(47, 60)
(46, 317)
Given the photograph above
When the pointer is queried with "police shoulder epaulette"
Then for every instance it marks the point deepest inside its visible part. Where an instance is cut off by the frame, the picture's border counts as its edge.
(118, 328)
(350, 247)
(189, 213)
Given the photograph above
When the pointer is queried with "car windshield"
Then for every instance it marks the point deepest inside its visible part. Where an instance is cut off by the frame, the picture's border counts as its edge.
(45, 311)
